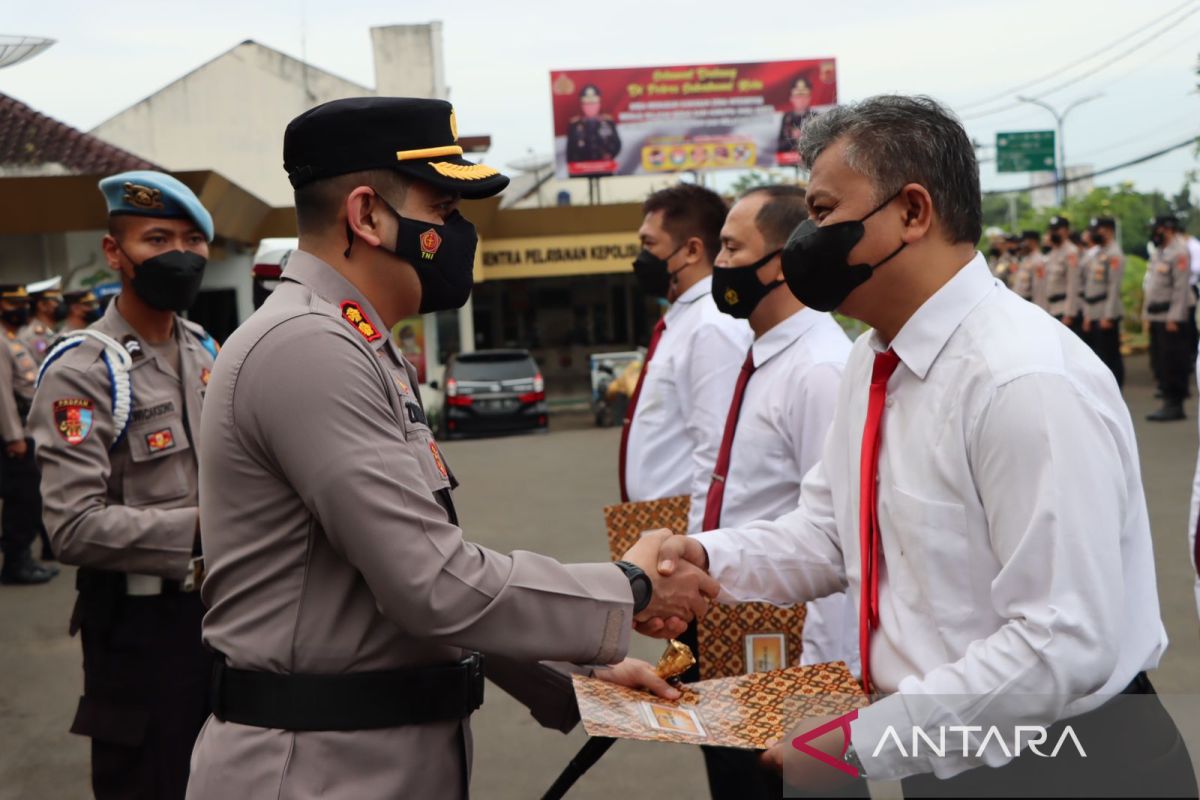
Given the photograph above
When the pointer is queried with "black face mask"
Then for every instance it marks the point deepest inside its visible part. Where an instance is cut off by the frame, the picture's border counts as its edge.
(738, 291)
(91, 315)
(60, 312)
(16, 317)
(1056, 238)
(442, 255)
(169, 281)
(1158, 238)
(653, 275)
(815, 261)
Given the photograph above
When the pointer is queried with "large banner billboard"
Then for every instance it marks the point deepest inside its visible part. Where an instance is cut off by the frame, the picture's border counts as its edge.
(650, 120)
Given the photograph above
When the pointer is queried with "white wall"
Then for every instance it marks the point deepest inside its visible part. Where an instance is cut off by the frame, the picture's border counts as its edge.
(229, 116)
(408, 61)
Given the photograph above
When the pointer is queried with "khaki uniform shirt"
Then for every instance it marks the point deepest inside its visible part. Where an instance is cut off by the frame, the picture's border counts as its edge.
(18, 373)
(1168, 293)
(38, 337)
(1025, 279)
(331, 549)
(1062, 280)
(1102, 274)
(127, 505)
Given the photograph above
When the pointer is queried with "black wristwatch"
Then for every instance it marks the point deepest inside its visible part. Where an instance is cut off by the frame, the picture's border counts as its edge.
(639, 581)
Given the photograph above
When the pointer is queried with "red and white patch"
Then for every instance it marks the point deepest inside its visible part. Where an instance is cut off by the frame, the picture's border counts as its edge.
(437, 459)
(430, 242)
(352, 312)
(160, 440)
(73, 419)
(205, 374)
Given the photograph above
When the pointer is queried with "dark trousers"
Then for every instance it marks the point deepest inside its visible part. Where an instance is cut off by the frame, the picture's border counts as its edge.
(145, 695)
(20, 487)
(1106, 344)
(1133, 750)
(1173, 352)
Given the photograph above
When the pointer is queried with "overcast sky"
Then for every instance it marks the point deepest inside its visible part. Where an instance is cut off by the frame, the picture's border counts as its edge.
(498, 55)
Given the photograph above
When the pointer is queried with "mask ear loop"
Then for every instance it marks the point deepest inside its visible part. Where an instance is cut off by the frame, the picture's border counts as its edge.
(349, 239)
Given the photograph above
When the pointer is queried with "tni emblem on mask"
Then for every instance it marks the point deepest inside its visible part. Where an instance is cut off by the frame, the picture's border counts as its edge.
(140, 196)
(731, 297)
(430, 242)
(73, 418)
(353, 313)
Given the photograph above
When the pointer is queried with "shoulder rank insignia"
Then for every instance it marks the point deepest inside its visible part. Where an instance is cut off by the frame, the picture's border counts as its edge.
(352, 312)
(437, 459)
(73, 419)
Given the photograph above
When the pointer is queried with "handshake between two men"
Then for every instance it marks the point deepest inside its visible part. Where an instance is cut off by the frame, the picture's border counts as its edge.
(682, 588)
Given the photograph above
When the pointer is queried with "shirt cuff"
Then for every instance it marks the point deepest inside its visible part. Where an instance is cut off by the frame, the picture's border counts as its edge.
(721, 561)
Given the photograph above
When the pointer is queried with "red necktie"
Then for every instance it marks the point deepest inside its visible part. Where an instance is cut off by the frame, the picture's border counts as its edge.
(868, 516)
(633, 401)
(716, 489)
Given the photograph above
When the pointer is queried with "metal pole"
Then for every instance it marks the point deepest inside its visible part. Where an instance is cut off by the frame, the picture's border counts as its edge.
(1060, 172)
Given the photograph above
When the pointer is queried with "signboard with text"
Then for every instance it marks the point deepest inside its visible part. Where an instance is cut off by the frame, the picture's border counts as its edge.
(1025, 151)
(650, 120)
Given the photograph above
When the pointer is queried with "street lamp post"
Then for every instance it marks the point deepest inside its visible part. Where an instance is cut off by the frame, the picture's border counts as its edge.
(1061, 172)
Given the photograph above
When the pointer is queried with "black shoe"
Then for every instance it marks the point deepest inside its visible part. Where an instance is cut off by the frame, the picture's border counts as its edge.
(48, 554)
(1170, 412)
(24, 571)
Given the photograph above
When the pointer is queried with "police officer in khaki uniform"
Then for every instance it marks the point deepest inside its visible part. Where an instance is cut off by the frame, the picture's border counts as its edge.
(343, 598)
(1030, 263)
(1168, 303)
(21, 517)
(46, 305)
(82, 310)
(1062, 275)
(1102, 306)
(116, 418)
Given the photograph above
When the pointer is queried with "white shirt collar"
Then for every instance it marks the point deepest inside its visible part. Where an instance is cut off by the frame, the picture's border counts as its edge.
(781, 337)
(925, 334)
(696, 291)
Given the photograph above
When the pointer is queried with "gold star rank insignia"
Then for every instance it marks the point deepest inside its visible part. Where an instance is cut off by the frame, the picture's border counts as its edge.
(352, 312)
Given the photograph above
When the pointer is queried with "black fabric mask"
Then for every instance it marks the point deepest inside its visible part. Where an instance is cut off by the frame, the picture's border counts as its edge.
(815, 261)
(169, 281)
(1158, 239)
(442, 255)
(1057, 238)
(16, 317)
(91, 315)
(738, 291)
(60, 312)
(653, 275)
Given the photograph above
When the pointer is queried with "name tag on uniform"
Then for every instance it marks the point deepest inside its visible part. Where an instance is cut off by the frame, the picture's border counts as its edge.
(415, 414)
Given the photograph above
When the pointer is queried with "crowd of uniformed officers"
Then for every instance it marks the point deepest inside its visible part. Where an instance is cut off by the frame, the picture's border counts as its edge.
(1076, 276)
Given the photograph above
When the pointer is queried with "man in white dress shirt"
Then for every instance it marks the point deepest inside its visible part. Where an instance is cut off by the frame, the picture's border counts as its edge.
(979, 497)
(776, 425)
(675, 417)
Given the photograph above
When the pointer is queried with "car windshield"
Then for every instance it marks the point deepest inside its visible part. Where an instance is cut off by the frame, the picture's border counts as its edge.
(493, 367)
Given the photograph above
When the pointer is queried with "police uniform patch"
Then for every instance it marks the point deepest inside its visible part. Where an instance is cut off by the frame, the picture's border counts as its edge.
(160, 440)
(73, 419)
(133, 346)
(401, 385)
(437, 459)
(352, 312)
(205, 374)
(430, 242)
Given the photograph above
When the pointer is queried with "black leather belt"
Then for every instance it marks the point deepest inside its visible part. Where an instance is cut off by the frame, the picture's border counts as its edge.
(1055, 298)
(1158, 308)
(1096, 299)
(348, 702)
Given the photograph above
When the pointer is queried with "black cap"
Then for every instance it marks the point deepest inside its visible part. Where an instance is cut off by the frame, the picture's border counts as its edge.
(1165, 221)
(79, 296)
(1012, 238)
(1059, 222)
(1035, 235)
(1104, 222)
(416, 137)
(13, 291)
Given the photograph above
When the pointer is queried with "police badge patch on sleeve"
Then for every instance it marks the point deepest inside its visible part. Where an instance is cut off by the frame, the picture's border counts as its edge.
(73, 419)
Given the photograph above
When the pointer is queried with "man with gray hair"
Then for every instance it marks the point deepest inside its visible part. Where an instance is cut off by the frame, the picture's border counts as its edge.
(979, 496)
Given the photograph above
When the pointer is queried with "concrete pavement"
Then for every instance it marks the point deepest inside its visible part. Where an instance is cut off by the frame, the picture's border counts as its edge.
(544, 493)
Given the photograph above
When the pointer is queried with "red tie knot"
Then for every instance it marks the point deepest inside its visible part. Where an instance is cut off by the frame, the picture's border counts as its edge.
(885, 365)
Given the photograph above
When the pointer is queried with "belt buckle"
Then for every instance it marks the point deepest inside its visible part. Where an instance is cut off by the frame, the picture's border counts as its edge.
(475, 682)
(195, 575)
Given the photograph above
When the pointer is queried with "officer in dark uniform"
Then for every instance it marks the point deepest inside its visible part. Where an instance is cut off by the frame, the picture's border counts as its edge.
(116, 417)
(592, 136)
(22, 514)
(800, 113)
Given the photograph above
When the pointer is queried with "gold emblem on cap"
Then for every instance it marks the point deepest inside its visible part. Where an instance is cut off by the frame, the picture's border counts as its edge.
(140, 196)
(731, 297)
(453, 125)
(464, 172)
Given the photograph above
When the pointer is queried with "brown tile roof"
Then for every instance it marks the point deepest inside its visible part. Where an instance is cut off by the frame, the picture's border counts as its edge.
(28, 139)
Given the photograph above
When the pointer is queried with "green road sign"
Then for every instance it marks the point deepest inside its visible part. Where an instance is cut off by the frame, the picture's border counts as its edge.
(1025, 151)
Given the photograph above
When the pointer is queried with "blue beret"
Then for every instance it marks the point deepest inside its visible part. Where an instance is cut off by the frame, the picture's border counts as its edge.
(145, 193)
